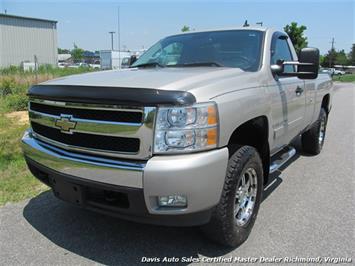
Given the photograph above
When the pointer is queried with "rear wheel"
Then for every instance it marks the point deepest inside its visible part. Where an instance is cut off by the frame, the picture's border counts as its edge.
(313, 139)
(236, 212)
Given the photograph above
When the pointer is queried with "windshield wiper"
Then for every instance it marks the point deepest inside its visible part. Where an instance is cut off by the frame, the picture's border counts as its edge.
(197, 64)
(150, 64)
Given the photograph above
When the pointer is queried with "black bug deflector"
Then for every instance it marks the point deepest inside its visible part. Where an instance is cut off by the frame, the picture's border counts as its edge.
(111, 95)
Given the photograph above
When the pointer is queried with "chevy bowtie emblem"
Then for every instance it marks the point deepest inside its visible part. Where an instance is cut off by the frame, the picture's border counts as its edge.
(65, 124)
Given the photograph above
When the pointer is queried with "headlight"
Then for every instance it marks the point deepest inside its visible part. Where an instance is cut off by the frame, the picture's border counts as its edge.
(181, 129)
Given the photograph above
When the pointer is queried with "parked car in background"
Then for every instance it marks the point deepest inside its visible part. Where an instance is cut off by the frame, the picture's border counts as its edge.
(338, 72)
(77, 65)
(62, 65)
(326, 71)
(95, 65)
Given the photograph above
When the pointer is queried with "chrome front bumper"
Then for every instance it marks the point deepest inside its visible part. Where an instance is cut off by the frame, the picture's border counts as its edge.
(199, 176)
(113, 172)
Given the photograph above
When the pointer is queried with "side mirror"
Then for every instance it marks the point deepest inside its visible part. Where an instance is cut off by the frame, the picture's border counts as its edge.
(278, 68)
(307, 66)
(309, 63)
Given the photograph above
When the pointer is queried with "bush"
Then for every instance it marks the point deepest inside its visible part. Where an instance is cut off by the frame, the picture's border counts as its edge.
(11, 70)
(14, 83)
(345, 78)
(15, 102)
(7, 86)
(21, 88)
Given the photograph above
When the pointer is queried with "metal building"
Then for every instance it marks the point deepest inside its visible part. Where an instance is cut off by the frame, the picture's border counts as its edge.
(23, 38)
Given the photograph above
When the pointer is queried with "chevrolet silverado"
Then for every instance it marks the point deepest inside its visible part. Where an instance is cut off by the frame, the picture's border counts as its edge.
(187, 136)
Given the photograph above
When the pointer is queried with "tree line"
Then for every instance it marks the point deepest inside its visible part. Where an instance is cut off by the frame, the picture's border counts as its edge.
(77, 53)
(331, 58)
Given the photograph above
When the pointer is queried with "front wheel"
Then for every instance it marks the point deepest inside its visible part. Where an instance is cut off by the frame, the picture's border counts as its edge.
(234, 216)
(313, 139)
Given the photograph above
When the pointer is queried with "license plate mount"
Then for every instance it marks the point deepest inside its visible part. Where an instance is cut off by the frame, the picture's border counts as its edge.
(66, 191)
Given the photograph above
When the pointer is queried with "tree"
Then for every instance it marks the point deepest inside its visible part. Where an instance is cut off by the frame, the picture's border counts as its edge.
(296, 34)
(77, 53)
(185, 28)
(321, 60)
(352, 55)
(329, 58)
(334, 57)
(341, 58)
(63, 51)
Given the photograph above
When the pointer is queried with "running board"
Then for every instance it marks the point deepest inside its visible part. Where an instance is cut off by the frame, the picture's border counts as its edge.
(280, 158)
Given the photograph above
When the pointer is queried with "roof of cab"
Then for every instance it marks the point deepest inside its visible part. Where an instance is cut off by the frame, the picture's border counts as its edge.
(257, 28)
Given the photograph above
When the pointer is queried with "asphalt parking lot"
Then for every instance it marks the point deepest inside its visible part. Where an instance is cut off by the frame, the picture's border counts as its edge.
(308, 211)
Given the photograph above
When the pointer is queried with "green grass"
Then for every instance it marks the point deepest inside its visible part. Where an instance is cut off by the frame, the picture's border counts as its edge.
(14, 84)
(44, 70)
(16, 182)
(345, 78)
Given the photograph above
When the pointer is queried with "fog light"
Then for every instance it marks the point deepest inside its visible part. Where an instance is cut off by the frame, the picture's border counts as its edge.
(172, 201)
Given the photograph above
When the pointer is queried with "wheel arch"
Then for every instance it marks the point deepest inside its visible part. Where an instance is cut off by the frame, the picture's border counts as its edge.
(255, 133)
(326, 103)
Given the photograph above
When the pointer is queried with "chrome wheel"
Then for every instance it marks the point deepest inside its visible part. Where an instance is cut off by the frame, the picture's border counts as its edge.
(322, 131)
(245, 197)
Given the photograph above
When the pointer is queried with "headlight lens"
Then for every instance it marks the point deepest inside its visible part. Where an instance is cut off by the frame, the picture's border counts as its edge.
(180, 129)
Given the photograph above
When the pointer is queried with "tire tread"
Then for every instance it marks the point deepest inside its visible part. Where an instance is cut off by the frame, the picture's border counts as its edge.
(220, 227)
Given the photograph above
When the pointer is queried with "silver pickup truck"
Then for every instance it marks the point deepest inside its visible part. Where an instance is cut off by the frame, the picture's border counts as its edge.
(187, 136)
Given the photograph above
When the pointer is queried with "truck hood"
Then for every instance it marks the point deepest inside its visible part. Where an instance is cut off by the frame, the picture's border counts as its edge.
(182, 79)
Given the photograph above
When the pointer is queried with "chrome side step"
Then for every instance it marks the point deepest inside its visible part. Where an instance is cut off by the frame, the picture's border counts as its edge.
(280, 158)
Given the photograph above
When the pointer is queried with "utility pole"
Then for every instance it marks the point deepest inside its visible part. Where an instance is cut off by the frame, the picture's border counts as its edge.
(112, 33)
(36, 67)
(333, 43)
(119, 37)
(331, 53)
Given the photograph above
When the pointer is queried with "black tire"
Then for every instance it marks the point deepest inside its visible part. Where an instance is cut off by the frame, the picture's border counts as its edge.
(313, 138)
(223, 227)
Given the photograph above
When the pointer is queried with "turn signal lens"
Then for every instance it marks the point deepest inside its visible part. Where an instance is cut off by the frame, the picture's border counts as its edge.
(212, 136)
(212, 115)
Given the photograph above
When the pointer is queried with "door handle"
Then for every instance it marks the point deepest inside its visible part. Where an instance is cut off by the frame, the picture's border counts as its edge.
(299, 90)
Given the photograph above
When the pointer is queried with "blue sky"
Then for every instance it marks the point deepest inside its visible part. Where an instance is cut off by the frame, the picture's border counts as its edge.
(87, 23)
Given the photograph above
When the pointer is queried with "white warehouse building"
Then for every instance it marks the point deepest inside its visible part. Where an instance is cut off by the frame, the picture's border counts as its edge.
(24, 38)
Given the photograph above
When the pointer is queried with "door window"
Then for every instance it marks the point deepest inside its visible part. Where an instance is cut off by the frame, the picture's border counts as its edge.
(281, 51)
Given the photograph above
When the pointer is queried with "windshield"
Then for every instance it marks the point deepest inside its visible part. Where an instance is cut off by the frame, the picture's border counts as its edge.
(231, 48)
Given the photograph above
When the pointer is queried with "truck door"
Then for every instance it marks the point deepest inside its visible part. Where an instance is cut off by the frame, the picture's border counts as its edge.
(292, 90)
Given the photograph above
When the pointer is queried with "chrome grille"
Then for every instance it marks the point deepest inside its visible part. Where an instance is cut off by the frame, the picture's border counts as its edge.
(93, 114)
(107, 130)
